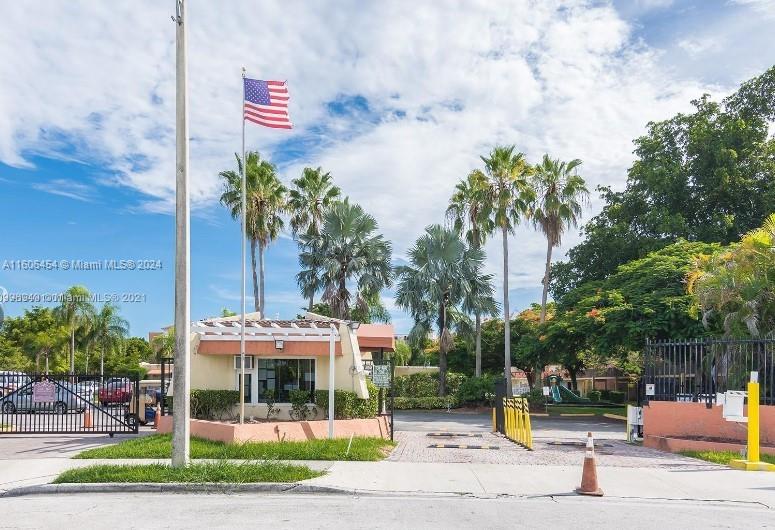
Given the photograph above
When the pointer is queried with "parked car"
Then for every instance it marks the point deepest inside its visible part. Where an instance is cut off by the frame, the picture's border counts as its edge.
(117, 390)
(67, 399)
(10, 381)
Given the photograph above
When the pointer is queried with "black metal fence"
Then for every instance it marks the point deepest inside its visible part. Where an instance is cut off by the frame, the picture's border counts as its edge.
(69, 404)
(696, 370)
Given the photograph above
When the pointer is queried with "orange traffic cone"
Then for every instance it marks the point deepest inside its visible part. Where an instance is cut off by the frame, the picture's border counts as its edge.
(589, 475)
(87, 423)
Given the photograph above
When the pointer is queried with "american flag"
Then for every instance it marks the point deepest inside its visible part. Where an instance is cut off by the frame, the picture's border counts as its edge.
(266, 103)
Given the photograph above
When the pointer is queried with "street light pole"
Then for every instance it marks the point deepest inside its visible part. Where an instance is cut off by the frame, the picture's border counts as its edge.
(181, 381)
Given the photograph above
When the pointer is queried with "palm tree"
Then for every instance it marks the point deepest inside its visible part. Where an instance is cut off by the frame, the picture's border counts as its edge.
(265, 203)
(348, 249)
(508, 196)
(109, 329)
(560, 196)
(309, 199)
(164, 344)
(74, 309)
(442, 274)
(466, 209)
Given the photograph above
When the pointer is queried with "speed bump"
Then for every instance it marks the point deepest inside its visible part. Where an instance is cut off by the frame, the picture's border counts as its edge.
(455, 434)
(463, 446)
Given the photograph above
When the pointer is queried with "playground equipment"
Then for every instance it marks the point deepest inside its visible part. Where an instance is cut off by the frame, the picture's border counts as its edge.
(560, 393)
(733, 411)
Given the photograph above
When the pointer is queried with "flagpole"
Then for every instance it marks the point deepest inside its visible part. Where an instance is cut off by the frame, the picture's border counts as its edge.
(243, 199)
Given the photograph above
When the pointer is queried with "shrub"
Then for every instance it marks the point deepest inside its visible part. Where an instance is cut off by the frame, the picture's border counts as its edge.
(437, 402)
(271, 410)
(477, 390)
(348, 405)
(605, 395)
(213, 404)
(614, 396)
(300, 409)
(535, 398)
(426, 384)
(594, 395)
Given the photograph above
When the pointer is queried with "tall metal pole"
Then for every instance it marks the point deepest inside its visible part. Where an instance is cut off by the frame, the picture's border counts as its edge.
(182, 384)
(331, 352)
(243, 209)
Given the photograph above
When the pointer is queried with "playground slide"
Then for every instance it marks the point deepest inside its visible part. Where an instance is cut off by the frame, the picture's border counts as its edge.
(562, 394)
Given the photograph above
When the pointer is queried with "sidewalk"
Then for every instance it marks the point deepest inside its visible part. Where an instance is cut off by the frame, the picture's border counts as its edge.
(705, 482)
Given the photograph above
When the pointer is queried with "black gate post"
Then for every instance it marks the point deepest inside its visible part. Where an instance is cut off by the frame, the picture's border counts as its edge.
(500, 394)
(392, 394)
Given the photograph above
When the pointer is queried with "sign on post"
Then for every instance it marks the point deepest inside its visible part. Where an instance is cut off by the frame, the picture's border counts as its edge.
(546, 390)
(44, 392)
(650, 389)
(380, 375)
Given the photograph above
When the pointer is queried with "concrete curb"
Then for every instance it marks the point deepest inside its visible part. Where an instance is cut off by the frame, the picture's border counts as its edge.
(615, 417)
(171, 487)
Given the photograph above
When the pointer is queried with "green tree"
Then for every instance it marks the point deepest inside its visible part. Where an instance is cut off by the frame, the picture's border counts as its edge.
(508, 197)
(265, 202)
(560, 193)
(734, 288)
(467, 209)
(138, 347)
(402, 354)
(708, 175)
(74, 311)
(348, 250)
(164, 343)
(443, 270)
(643, 299)
(109, 330)
(309, 198)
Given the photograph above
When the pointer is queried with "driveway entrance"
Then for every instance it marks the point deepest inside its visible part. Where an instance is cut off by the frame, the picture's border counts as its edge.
(556, 441)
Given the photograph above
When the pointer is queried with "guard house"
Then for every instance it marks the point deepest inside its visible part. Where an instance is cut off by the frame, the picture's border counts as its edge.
(284, 355)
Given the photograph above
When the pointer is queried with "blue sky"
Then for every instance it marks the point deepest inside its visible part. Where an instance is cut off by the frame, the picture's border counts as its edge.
(397, 103)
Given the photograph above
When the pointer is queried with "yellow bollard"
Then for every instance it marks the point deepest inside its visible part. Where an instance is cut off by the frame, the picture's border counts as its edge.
(752, 462)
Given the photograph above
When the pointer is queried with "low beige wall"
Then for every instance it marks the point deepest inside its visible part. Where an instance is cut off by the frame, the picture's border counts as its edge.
(410, 370)
(281, 430)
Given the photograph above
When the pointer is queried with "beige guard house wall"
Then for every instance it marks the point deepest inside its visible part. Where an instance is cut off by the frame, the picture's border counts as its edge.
(217, 372)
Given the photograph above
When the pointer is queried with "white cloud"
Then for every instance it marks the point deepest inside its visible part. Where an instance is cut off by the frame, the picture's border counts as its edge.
(560, 77)
(694, 46)
(67, 188)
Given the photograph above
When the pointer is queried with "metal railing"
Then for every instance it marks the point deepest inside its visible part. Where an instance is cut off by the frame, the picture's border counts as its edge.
(696, 370)
(69, 404)
(516, 421)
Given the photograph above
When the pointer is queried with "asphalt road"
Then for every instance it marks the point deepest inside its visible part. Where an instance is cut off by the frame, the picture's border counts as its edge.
(145, 510)
(543, 427)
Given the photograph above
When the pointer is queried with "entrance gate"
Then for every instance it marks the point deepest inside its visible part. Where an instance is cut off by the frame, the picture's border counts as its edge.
(68, 404)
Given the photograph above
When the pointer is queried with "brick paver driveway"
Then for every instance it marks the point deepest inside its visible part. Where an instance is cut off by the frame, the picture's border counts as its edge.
(556, 441)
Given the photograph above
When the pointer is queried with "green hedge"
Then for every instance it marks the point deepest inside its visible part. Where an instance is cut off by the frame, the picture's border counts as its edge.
(614, 396)
(477, 390)
(426, 384)
(348, 405)
(211, 404)
(405, 403)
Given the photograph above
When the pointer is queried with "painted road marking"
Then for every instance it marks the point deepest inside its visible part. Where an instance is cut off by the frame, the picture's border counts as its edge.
(463, 446)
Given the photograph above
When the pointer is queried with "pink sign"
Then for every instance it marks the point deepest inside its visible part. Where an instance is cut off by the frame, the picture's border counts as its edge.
(43, 392)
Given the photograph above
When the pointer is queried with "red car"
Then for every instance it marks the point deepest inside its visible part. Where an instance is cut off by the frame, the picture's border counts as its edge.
(116, 390)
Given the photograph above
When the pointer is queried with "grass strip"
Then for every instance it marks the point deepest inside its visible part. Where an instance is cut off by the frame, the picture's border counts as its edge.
(160, 446)
(193, 473)
(723, 457)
